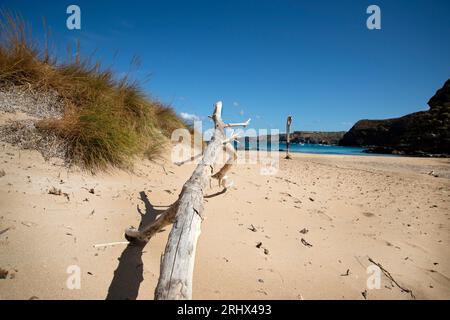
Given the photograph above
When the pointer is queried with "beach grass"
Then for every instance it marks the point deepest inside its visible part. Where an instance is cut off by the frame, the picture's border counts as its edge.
(106, 121)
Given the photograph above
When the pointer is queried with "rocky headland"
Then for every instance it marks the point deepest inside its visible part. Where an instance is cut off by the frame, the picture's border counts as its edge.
(424, 133)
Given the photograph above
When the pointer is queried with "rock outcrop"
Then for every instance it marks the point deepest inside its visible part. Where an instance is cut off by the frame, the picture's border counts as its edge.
(314, 137)
(308, 137)
(419, 133)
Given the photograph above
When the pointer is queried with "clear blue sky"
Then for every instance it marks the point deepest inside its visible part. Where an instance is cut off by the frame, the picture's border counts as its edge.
(315, 60)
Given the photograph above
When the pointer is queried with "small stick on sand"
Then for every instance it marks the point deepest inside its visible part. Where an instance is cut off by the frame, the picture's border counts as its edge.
(109, 244)
(387, 274)
(3, 231)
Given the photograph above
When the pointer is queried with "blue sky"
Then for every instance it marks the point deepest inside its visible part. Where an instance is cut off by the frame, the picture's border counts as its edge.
(314, 60)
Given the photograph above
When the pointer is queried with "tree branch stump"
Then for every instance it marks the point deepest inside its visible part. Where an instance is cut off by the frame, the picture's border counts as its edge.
(288, 136)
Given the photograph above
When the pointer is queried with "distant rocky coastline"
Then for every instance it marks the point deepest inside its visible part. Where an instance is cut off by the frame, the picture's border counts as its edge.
(314, 137)
(425, 133)
(300, 137)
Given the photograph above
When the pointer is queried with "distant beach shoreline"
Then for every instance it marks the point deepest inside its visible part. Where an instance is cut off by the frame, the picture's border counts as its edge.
(332, 149)
(306, 148)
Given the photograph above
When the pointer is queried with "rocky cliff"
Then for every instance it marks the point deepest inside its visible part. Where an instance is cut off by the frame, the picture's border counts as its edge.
(419, 133)
(314, 137)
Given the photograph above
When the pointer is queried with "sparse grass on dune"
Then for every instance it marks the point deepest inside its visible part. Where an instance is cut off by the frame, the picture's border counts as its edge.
(106, 122)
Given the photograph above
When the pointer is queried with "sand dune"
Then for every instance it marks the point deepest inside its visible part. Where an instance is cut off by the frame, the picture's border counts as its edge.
(305, 233)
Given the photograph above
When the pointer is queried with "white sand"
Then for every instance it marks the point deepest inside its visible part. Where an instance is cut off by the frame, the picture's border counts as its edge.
(388, 209)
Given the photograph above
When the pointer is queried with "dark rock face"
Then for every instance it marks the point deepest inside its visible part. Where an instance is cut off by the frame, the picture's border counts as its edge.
(314, 137)
(420, 133)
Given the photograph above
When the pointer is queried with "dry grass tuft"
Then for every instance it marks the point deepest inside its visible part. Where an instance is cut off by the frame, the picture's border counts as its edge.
(105, 122)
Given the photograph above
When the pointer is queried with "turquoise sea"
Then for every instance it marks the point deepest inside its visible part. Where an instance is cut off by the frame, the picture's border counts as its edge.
(310, 148)
(323, 149)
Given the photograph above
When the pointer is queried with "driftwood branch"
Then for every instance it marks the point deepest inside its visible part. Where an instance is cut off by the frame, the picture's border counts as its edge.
(239, 124)
(109, 244)
(233, 137)
(390, 277)
(221, 175)
(191, 159)
(177, 262)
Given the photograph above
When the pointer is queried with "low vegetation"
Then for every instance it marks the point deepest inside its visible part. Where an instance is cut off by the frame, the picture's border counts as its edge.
(104, 121)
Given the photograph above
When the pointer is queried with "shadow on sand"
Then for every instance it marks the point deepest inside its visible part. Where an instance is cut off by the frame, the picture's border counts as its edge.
(129, 273)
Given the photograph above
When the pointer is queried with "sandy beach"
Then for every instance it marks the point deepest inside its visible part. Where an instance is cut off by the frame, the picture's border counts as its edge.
(307, 232)
(224, 152)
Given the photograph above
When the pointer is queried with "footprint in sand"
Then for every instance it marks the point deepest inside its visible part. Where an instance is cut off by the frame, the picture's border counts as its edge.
(368, 214)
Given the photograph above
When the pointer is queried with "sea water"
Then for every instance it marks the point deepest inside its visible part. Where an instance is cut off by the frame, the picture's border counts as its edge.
(305, 148)
(323, 149)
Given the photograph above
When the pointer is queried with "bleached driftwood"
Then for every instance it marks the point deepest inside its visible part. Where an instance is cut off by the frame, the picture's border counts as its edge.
(109, 244)
(288, 136)
(177, 263)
